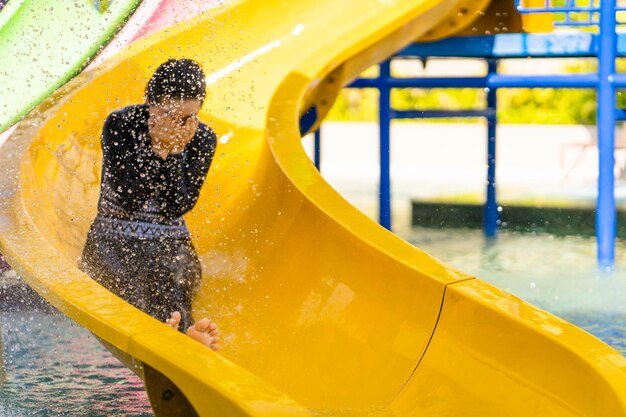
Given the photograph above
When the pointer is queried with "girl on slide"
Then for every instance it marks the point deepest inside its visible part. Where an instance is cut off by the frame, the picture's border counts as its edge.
(155, 159)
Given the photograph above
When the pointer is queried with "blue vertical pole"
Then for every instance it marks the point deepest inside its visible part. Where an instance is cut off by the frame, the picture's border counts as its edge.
(491, 215)
(317, 144)
(384, 111)
(605, 206)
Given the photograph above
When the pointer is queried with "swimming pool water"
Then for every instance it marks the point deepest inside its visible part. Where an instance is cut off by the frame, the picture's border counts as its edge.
(53, 367)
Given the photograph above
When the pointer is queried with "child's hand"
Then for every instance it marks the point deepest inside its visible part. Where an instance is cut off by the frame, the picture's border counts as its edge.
(170, 137)
(162, 135)
(184, 134)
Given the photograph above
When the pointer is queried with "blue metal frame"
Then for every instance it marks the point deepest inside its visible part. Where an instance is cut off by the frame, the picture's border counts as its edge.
(491, 213)
(606, 217)
(604, 16)
(317, 149)
(605, 46)
(385, 116)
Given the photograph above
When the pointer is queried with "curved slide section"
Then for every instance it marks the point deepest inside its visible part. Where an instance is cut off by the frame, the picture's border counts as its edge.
(322, 311)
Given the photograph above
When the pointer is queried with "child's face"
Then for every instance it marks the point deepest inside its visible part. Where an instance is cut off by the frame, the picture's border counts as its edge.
(175, 112)
(173, 124)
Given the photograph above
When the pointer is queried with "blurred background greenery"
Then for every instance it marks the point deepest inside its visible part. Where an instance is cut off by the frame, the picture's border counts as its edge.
(523, 105)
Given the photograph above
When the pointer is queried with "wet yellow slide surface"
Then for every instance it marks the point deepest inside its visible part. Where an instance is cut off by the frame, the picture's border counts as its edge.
(321, 311)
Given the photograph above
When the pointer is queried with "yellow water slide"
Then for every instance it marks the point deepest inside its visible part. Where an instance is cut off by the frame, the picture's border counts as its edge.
(322, 311)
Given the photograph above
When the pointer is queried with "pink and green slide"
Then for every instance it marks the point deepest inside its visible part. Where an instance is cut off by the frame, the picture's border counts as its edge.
(44, 43)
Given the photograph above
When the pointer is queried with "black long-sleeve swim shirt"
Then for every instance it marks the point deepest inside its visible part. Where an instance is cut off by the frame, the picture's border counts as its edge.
(135, 177)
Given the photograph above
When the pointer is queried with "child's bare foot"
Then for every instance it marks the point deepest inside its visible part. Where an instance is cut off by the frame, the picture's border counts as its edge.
(174, 320)
(202, 331)
(205, 332)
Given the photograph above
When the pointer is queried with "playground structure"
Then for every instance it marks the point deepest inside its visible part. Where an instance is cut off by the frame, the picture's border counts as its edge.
(605, 45)
(324, 312)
